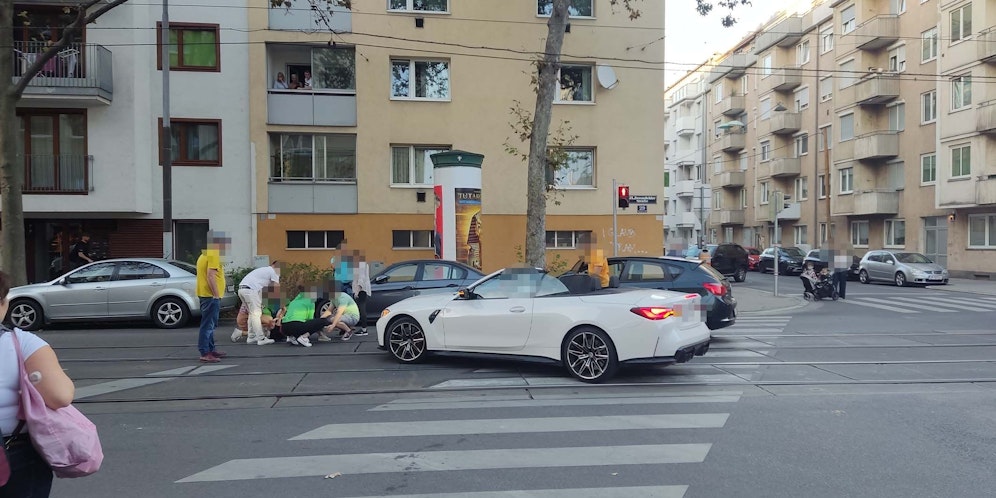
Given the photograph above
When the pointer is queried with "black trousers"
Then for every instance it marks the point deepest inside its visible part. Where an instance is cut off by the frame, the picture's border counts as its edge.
(30, 476)
(840, 282)
(361, 302)
(297, 329)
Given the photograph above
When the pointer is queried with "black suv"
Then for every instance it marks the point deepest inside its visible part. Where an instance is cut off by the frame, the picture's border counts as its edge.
(730, 260)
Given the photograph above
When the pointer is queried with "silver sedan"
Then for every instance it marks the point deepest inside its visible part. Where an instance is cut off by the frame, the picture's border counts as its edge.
(900, 267)
(114, 289)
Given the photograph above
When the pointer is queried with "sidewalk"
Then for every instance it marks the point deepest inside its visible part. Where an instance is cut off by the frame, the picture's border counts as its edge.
(759, 302)
(984, 287)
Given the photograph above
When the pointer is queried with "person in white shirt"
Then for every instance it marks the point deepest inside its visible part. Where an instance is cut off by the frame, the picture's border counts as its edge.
(307, 80)
(281, 83)
(361, 289)
(251, 293)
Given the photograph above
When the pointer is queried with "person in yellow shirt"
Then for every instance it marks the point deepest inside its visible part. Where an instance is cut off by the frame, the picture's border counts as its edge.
(598, 266)
(210, 288)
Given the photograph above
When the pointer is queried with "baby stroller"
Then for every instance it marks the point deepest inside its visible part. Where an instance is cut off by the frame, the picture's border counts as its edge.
(818, 287)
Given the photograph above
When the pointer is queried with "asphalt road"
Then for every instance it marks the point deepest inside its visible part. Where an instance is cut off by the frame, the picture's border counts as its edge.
(834, 399)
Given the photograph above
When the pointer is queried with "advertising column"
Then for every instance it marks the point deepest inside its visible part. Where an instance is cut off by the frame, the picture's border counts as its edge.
(457, 189)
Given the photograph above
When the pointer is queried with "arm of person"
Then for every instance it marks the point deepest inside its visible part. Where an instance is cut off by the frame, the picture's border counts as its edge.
(212, 276)
(55, 387)
(338, 315)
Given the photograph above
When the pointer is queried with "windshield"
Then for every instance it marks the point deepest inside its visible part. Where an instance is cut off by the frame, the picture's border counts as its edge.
(912, 258)
(794, 251)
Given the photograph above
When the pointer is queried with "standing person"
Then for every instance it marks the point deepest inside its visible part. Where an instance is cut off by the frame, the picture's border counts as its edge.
(79, 254)
(362, 290)
(30, 475)
(210, 286)
(841, 268)
(598, 266)
(251, 293)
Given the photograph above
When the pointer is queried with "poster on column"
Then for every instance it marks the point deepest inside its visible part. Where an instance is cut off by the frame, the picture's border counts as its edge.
(468, 226)
(437, 236)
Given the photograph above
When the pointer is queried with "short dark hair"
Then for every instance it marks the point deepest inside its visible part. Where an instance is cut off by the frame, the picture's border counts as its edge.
(4, 285)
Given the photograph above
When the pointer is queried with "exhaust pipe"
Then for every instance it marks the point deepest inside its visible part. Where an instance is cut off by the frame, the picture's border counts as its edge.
(683, 355)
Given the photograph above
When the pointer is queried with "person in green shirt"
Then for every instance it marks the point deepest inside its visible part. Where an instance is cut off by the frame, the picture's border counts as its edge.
(298, 322)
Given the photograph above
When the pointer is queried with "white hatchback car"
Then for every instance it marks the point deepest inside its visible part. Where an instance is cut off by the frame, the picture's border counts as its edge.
(527, 312)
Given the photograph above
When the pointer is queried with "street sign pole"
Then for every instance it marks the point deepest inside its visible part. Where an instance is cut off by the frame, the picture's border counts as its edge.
(777, 243)
(615, 208)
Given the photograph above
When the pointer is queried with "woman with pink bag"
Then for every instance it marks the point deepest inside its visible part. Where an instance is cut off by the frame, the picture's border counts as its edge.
(29, 474)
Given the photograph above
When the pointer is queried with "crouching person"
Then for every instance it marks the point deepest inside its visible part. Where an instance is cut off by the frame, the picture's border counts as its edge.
(298, 322)
(347, 315)
(241, 331)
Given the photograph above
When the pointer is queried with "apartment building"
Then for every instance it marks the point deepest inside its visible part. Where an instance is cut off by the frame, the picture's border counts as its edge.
(392, 82)
(88, 132)
(835, 125)
(688, 195)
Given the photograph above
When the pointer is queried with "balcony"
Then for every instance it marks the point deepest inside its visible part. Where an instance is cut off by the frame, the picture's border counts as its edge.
(732, 105)
(727, 217)
(687, 219)
(791, 213)
(786, 79)
(877, 89)
(987, 45)
(80, 74)
(985, 117)
(732, 142)
(57, 174)
(784, 167)
(732, 67)
(311, 108)
(786, 33)
(731, 179)
(876, 145)
(985, 191)
(686, 126)
(875, 33)
(301, 17)
(685, 188)
(785, 123)
(872, 202)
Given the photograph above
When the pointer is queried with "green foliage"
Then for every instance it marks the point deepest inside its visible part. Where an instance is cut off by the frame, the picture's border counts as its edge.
(704, 7)
(558, 144)
(292, 275)
(557, 266)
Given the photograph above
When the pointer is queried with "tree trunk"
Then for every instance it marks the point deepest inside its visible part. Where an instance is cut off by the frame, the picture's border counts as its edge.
(536, 176)
(12, 259)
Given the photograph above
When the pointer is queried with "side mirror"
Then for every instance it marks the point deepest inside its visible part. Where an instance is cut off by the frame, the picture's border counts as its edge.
(465, 293)
(381, 279)
(62, 281)
(892, 261)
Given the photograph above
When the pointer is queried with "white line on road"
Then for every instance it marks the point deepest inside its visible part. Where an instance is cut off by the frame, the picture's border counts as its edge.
(536, 403)
(435, 461)
(629, 492)
(150, 379)
(861, 302)
(922, 303)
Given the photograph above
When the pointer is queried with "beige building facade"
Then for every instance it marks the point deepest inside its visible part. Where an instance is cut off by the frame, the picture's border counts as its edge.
(348, 157)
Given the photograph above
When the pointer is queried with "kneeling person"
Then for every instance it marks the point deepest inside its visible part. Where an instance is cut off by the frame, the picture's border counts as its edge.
(298, 323)
(347, 315)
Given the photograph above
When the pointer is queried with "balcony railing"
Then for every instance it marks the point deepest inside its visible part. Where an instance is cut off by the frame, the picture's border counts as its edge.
(876, 145)
(731, 179)
(781, 167)
(686, 126)
(80, 70)
(732, 67)
(987, 45)
(786, 79)
(299, 16)
(985, 117)
(875, 33)
(877, 89)
(685, 188)
(727, 217)
(311, 108)
(784, 123)
(732, 141)
(786, 33)
(869, 202)
(985, 191)
(733, 105)
(57, 174)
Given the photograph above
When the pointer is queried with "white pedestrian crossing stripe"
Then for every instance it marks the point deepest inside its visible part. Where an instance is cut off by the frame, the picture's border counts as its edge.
(630, 492)
(908, 304)
(451, 404)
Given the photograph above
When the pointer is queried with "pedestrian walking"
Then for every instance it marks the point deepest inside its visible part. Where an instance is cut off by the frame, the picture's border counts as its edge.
(362, 290)
(251, 293)
(210, 287)
(79, 253)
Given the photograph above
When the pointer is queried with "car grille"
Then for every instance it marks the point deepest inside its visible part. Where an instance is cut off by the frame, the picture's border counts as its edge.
(938, 272)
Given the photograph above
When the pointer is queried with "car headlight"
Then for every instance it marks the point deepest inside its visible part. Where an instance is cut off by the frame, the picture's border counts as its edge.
(919, 274)
(385, 312)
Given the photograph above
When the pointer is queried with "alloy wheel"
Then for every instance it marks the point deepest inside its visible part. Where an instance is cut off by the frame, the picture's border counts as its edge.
(900, 279)
(588, 356)
(863, 276)
(169, 314)
(407, 341)
(23, 316)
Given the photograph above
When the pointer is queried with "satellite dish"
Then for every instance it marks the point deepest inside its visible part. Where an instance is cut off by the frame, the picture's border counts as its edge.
(607, 77)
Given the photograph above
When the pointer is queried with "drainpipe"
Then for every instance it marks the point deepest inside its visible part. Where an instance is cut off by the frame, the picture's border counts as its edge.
(816, 157)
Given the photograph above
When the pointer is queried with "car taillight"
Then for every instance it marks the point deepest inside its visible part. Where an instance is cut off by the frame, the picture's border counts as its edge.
(653, 313)
(715, 288)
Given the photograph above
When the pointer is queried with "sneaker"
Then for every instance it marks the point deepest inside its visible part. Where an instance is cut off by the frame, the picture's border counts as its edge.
(324, 338)
(304, 341)
(361, 332)
(218, 354)
(209, 358)
(236, 335)
(264, 342)
(347, 335)
(292, 341)
(252, 339)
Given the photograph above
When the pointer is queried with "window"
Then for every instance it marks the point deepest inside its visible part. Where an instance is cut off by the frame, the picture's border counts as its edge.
(928, 168)
(744, 85)
(897, 117)
(846, 180)
(315, 239)
(847, 22)
(821, 186)
(567, 239)
(928, 107)
(801, 145)
(802, 52)
(765, 150)
(801, 188)
(411, 239)
(411, 164)
(51, 146)
(719, 92)
(575, 84)
(577, 171)
(100, 272)
(897, 59)
(401, 273)
(895, 233)
(195, 142)
(717, 199)
(928, 45)
(765, 193)
(743, 198)
(192, 47)
(823, 233)
(189, 237)
(800, 235)
(826, 39)
(138, 270)
(826, 88)
(961, 92)
(442, 271)
(896, 175)
(766, 66)
(961, 23)
(982, 231)
(575, 8)
(717, 165)
(313, 158)
(419, 5)
(764, 109)
(432, 79)
(846, 73)
(802, 99)
(961, 161)
(743, 161)
(898, 6)
(825, 137)
(333, 68)
(847, 127)
(859, 233)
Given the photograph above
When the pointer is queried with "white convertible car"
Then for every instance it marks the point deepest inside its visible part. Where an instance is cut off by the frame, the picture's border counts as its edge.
(526, 312)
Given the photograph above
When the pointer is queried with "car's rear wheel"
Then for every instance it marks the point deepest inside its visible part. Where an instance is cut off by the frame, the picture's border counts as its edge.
(863, 277)
(589, 355)
(406, 340)
(170, 313)
(740, 275)
(900, 279)
(26, 314)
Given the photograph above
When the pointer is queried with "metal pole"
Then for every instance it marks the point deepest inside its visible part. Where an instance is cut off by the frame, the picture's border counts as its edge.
(702, 225)
(777, 242)
(615, 228)
(167, 142)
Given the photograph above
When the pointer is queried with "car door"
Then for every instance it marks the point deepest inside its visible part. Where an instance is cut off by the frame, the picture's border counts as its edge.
(497, 318)
(134, 285)
(440, 277)
(83, 293)
(873, 265)
(395, 283)
(765, 263)
(888, 267)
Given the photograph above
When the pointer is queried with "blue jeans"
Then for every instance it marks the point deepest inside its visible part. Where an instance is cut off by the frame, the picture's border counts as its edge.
(210, 311)
(30, 476)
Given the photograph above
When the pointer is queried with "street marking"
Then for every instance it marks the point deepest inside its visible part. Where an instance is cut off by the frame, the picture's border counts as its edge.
(499, 382)
(977, 305)
(861, 302)
(630, 492)
(535, 403)
(737, 354)
(152, 378)
(923, 302)
(436, 461)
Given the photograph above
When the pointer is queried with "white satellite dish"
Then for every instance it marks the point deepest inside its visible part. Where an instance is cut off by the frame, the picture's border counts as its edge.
(607, 77)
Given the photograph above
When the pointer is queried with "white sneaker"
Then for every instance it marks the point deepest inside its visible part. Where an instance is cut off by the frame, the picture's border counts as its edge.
(264, 342)
(252, 339)
(291, 340)
(304, 341)
(236, 335)
(324, 338)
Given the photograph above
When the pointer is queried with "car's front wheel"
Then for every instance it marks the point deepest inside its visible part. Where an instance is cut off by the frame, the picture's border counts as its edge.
(900, 279)
(589, 355)
(863, 277)
(740, 275)
(26, 314)
(406, 340)
(170, 313)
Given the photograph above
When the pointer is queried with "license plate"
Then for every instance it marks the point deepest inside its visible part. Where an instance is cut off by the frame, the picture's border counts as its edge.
(935, 277)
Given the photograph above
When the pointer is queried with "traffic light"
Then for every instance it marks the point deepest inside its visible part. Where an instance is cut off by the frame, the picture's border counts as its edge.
(623, 196)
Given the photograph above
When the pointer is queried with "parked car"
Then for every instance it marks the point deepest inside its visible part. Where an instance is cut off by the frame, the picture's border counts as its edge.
(753, 256)
(790, 260)
(114, 289)
(527, 312)
(731, 260)
(901, 268)
(819, 263)
(682, 275)
(411, 278)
